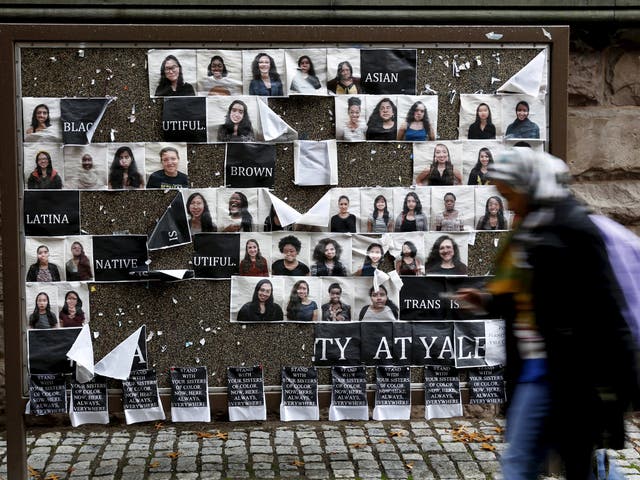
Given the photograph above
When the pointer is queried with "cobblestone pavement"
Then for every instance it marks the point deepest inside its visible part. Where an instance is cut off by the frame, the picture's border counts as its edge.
(436, 449)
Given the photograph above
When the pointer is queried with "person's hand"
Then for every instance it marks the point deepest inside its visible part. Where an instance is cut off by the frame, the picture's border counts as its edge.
(471, 299)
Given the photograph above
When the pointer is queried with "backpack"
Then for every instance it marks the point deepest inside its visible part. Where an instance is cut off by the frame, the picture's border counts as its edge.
(623, 250)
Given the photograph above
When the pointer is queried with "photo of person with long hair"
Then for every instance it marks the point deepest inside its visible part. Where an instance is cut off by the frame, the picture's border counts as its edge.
(444, 258)
(172, 81)
(44, 176)
(261, 308)
(241, 219)
(300, 307)
(290, 247)
(71, 314)
(381, 309)
(379, 220)
(42, 317)
(343, 221)
(344, 83)
(218, 80)
(335, 310)
(237, 124)
(40, 119)
(411, 219)
(482, 128)
(409, 263)
(493, 218)
(382, 124)
(78, 267)
(123, 173)
(372, 260)
(253, 264)
(305, 80)
(522, 127)
(266, 79)
(449, 220)
(326, 255)
(478, 173)
(199, 215)
(441, 171)
(355, 129)
(42, 270)
(416, 127)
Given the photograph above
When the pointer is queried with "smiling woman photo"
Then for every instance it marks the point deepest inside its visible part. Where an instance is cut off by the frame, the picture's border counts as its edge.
(171, 80)
(300, 307)
(444, 258)
(241, 219)
(169, 176)
(44, 176)
(199, 215)
(290, 247)
(261, 308)
(266, 79)
(237, 124)
(522, 127)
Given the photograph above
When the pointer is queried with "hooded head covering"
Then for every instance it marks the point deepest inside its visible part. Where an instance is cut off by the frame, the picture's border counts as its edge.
(543, 178)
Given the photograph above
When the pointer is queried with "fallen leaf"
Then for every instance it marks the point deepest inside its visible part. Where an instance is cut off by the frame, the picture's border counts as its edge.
(71, 469)
(159, 425)
(154, 464)
(487, 446)
(204, 434)
(174, 454)
(382, 440)
(52, 476)
(396, 433)
(409, 465)
(498, 429)
(358, 445)
(33, 473)
(222, 435)
(297, 463)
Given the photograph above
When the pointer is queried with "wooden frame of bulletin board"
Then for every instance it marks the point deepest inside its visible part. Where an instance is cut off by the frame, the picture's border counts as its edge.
(37, 57)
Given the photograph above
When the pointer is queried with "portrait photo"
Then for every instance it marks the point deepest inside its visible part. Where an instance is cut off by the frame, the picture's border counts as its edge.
(336, 300)
(351, 121)
(302, 299)
(172, 73)
(330, 254)
(447, 253)
(376, 210)
(85, 167)
(344, 207)
(166, 165)
(126, 166)
(41, 120)
(480, 117)
(233, 119)
(306, 71)
(219, 72)
(201, 209)
(437, 163)
(256, 299)
(42, 306)
(411, 208)
(417, 118)
(477, 157)
(452, 209)
(45, 257)
(78, 258)
(264, 72)
(524, 117)
(255, 254)
(382, 117)
(43, 166)
(409, 254)
(492, 211)
(73, 304)
(343, 71)
(237, 210)
(371, 305)
(367, 254)
(291, 253)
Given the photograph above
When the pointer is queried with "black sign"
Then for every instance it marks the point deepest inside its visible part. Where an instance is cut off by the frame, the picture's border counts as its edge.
(140, 361)
(245, 386)
(402, 343)
(185, 119)
(216, 255)
(441, 385)
(433, 343)
(300, 386)
(471, 344)
(48, 350)
(393, 385)
(188, 387)
(486, 385)
(250, 165)
(140, 390)
(90, 396)
(172, 229)
(348, 386)
(47, 394)
(51, 213)
(337, 344)
(388, 71)
(377, 343)
(115, 256)
(420, 298)
(79, 116)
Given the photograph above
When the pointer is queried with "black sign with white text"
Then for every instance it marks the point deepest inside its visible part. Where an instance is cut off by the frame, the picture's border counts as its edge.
(433, 343)
(89, 397)
(51, 212)
(245, 386)
(80, 117)
(441, 385)
(393, 385)
(115, 256)
(216, 255)
(250, 165)
(47, 349)
(140, 390)
(300, 386)
(188, 387)
(387, 71)
(377, 343)
(337, 344)
(471, 344)
(47, 394)
(348, 386)
(486, 385)
(185, 119)
(172, 229)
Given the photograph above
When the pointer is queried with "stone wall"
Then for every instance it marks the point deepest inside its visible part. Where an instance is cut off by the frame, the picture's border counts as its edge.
(604, 119)
(603, 132)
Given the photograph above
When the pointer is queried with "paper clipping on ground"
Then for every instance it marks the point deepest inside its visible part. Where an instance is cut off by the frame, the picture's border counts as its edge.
(528, 80)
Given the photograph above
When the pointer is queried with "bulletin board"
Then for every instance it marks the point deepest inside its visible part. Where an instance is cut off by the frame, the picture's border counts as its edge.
(197, 321)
